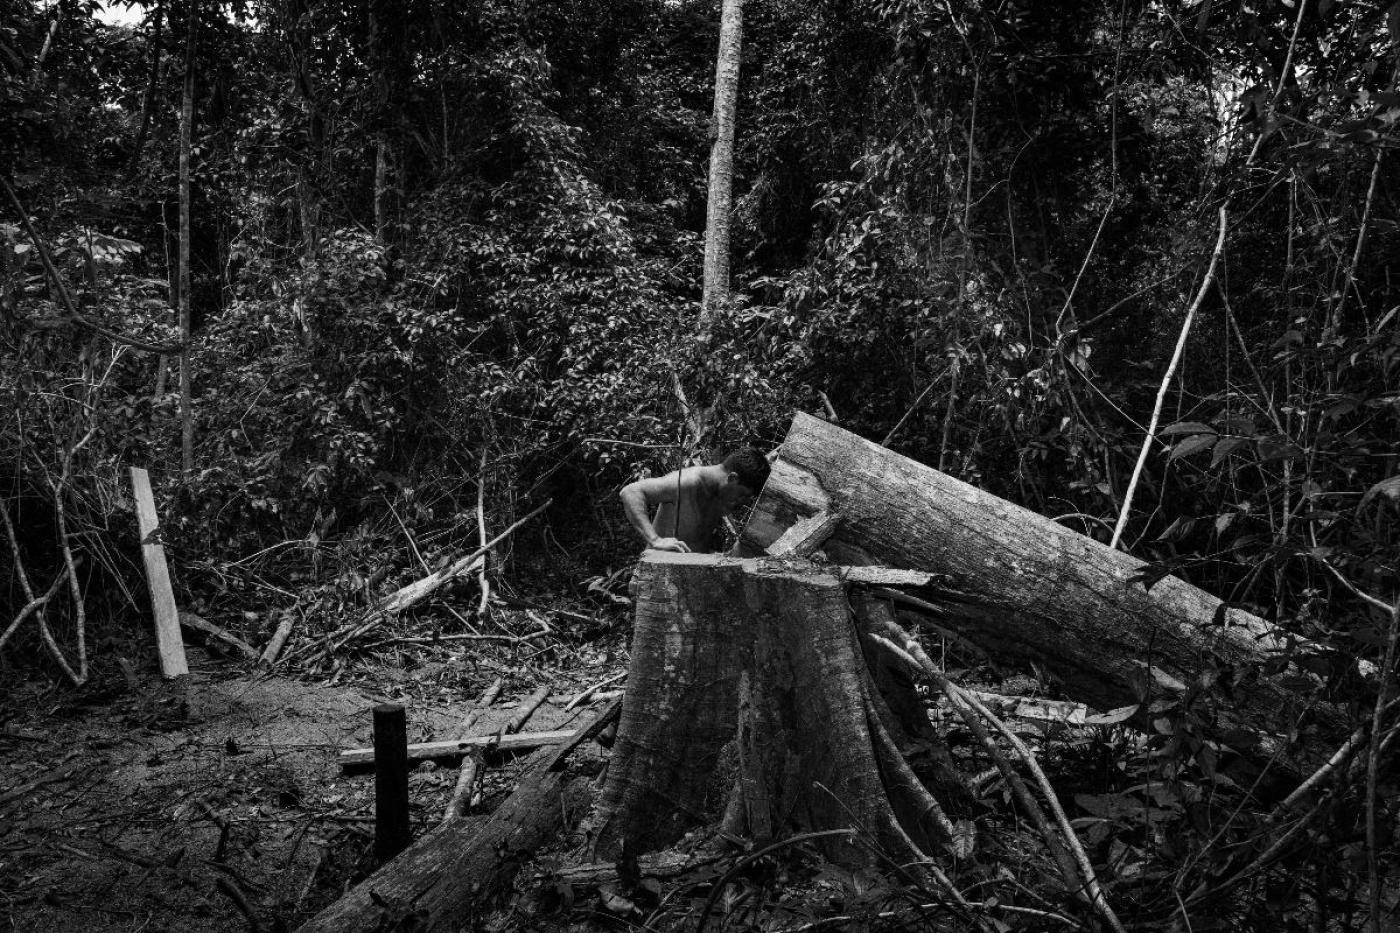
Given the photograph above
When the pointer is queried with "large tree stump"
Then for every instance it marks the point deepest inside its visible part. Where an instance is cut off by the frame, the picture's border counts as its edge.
(1025, 588)
(749, 692)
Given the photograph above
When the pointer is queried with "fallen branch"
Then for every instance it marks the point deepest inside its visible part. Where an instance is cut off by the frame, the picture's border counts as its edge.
(525, 710)
(191, 621)
(419, 590)
(583, 696)
(1067, 841)
(462, 792)
(278, 639)
(409, 596)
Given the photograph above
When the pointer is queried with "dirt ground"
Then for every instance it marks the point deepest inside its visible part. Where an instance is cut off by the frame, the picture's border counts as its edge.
(129, 807)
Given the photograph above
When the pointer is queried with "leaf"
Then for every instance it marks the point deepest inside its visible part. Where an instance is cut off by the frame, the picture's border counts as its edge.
(1112, 717)
(1177, 530)
(1227, 446)
(1278, 447)
(1186, 427)
(1194, 444)
(1109, 806)
(964, 839)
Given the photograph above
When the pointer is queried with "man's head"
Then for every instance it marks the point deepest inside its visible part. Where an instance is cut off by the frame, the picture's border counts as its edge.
(746, 471)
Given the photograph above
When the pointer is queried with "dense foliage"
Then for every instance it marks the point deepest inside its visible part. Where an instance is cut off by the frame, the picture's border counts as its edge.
(440, 245)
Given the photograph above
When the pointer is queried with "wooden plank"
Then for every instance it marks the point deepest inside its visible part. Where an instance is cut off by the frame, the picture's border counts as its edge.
(167, 616)
(420, 751)
(886, 576)
(805, 535)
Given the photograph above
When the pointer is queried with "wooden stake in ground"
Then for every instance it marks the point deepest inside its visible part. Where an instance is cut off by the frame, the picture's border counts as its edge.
(391, 832)
(167, 616)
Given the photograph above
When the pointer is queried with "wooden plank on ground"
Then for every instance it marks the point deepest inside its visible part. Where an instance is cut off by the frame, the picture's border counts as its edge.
(420, 751)
(167, 616)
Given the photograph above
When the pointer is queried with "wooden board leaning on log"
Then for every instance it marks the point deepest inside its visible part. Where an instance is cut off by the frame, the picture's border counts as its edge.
(1031, 591)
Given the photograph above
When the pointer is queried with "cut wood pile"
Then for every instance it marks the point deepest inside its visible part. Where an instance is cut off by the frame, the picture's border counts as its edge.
(773, 693)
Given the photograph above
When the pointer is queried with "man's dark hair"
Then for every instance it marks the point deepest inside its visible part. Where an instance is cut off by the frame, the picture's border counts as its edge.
(749, 465)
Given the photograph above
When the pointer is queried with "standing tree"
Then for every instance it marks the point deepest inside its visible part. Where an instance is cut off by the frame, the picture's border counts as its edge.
(186, 122)
(721, 194)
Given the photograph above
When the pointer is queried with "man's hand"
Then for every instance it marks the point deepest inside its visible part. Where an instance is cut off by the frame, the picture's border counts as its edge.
(669, 544)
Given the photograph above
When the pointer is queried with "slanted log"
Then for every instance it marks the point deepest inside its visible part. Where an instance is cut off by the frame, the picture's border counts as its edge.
(748, 679)
(1023, 587)
(450, 878)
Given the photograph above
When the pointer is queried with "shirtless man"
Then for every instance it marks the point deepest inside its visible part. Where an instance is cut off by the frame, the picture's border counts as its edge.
(691, 503)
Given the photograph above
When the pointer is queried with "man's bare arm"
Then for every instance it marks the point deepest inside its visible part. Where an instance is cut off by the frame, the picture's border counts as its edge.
(640, 497)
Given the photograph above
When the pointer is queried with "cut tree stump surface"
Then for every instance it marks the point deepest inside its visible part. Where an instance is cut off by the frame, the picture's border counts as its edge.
(749, 696)
(1025, 588)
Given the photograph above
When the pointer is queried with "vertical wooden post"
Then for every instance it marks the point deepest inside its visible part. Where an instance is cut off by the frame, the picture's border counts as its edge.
(391, 835)
(168, 641)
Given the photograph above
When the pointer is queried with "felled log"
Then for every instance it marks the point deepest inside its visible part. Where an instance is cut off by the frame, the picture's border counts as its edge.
(450, 877)
(748, 694)
(1025, 588)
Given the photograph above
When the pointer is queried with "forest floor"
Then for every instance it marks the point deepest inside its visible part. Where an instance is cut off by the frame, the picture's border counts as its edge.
(129, 806)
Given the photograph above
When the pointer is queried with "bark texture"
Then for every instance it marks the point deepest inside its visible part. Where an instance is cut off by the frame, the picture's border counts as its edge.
(1024, 588)
(749, 693)
(721, 194)
(447, 879)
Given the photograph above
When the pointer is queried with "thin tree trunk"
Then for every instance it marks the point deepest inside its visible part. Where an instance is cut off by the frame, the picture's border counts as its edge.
(148, 102)
(186, 124)
(721, 195)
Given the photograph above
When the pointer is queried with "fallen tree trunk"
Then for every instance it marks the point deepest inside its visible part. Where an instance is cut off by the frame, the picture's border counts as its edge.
(749, 695)
(450, 877)
(1029, 590)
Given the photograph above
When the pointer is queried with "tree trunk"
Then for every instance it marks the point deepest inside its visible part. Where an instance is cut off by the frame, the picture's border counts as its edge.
(748, 693)
(186, 123)
(148, 101)
(448, 878)
(721, 195)
(1028, 590)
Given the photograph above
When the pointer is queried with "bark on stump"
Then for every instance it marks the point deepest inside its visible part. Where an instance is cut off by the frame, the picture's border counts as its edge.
(1027, 589)
(748, 692)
